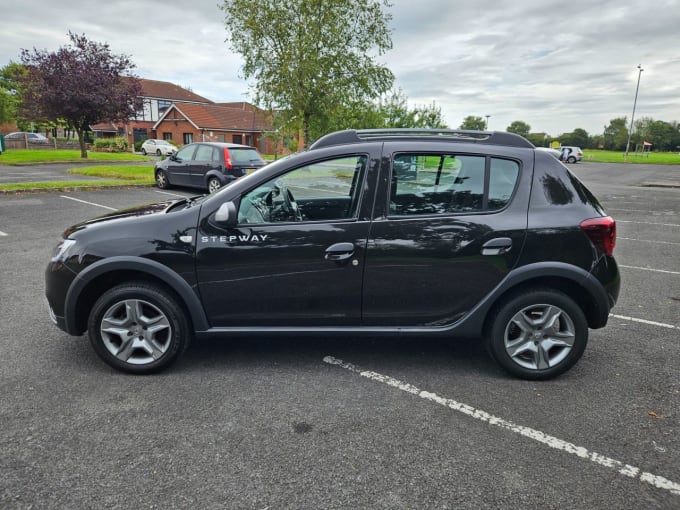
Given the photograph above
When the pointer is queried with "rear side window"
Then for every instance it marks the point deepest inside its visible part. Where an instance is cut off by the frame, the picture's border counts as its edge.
(426, 184)
(205, 153)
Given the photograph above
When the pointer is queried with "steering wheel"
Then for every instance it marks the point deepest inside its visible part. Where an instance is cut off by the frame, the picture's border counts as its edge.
(289, 204)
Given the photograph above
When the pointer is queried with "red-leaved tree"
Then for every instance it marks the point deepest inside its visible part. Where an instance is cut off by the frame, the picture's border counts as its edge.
(82, 83)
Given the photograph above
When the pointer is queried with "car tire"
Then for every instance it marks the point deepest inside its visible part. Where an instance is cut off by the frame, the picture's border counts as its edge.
(162, 180)
(571, 159)
(138, 328)
(214, 184)
(143, 151)
(537, 334)
(158, 152)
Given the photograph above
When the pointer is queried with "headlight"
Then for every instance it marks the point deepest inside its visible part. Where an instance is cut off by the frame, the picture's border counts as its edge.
(62, 248)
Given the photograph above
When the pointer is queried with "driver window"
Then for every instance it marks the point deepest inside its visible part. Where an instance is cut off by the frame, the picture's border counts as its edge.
(327, 190)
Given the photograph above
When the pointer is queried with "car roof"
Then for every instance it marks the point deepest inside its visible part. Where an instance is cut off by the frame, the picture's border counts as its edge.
(225, 145)
(352, 136)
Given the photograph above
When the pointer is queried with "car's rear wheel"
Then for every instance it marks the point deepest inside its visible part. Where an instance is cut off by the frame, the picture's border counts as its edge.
(143, 151)
(138, 328)
(214, 184)
(537, 334)
(571, 159)
(162, 180)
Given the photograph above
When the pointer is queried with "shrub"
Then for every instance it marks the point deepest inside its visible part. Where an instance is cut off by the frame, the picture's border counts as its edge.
(111, 144)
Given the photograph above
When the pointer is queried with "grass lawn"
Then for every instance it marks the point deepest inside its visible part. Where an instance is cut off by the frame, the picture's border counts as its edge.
(114, 175)
(650, 158)
(22, 157)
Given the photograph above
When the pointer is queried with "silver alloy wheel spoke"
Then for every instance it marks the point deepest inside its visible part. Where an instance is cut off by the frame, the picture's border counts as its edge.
(539, 336)
(136, 331)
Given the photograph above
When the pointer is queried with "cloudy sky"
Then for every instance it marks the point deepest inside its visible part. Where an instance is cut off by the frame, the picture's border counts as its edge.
(556, 65)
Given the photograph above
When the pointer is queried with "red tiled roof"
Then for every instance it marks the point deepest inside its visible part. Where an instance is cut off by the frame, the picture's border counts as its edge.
(166, 90)
(104, 126)
(212, 116)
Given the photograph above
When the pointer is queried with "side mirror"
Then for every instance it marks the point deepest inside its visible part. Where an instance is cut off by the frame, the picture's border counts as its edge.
(227, 215)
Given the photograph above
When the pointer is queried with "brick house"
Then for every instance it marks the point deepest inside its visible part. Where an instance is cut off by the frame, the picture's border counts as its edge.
(218, 122)
(173, 113)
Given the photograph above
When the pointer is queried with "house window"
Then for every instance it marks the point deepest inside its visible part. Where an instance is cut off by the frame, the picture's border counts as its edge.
(167, 136)
(163, 105)
(237, 139)
(249, 140)
(188, 138)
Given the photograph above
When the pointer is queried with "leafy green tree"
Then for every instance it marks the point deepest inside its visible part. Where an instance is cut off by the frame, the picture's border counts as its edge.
(616, 134)
(474, 123)
(312, 60)
(578, 137)
(10, 95)
(519, 128)
(82, 84)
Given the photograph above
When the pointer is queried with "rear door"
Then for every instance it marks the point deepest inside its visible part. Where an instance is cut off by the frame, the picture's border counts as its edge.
(206, 158)
(446, 232)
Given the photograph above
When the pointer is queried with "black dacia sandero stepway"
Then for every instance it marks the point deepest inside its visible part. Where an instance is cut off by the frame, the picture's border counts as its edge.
(401, 232)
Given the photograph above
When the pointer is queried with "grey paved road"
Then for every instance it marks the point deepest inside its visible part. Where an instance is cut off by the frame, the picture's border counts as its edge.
(269, 424)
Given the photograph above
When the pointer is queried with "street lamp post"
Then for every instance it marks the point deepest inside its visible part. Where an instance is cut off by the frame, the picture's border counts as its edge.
(632, 117)
(487, 122)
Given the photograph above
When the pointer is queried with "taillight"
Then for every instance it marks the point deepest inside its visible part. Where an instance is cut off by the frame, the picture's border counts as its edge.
(227, 160)
(601, 232)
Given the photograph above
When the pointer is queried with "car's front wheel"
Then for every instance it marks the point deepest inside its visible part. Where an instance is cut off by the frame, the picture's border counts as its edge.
(162, 180)
(143, 151)
(538, 333)
(214, 184)
(138, 328)
(158, 152)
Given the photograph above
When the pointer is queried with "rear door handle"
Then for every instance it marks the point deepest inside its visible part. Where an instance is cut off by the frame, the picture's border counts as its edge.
(339, 251)
(497, 246)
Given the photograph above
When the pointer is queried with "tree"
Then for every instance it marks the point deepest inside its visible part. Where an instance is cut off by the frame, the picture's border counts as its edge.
(311, 60)
(519, 128)
(616, 134)
(473, 123)
(82, 84)
(578, 137)
(10, 94)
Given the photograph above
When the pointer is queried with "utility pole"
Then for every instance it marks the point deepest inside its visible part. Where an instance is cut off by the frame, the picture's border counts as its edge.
(632, 117)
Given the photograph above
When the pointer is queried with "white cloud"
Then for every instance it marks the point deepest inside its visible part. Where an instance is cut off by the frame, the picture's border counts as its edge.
(553, 65)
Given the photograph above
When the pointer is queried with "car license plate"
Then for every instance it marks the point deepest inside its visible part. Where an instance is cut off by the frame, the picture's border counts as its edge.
(250, 170)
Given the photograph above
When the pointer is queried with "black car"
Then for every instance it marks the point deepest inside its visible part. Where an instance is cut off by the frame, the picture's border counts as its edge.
(481, 236)
(207, 165)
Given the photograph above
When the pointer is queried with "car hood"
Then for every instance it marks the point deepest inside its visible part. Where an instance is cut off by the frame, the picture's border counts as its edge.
(125, 214)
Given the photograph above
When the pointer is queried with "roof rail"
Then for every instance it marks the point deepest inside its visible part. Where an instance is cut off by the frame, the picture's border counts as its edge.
(350, 136)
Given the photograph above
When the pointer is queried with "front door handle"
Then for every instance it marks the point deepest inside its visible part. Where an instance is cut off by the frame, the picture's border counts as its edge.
(497, 246)
(339, 251)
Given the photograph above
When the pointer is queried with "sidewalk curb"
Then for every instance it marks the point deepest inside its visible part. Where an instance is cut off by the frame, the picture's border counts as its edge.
(93, 187)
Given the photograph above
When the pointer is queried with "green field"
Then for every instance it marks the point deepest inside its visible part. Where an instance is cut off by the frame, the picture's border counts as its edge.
(649, 158)
(115, 175)
(27, 157)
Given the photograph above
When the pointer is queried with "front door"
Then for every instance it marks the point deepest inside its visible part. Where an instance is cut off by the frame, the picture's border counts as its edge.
(296, 256)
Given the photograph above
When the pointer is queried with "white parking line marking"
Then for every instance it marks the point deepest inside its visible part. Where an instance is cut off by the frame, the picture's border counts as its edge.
(645, 321)
(646, 241)
(2, 234)
(551, 441)
(171, 194)
(649, 223)
(650, 269)
(89, 203)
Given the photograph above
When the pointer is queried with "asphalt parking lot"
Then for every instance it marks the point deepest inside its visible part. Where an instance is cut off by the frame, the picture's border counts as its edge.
(345, 423)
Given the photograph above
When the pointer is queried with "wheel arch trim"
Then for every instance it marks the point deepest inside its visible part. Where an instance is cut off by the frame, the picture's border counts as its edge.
(139, 264)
